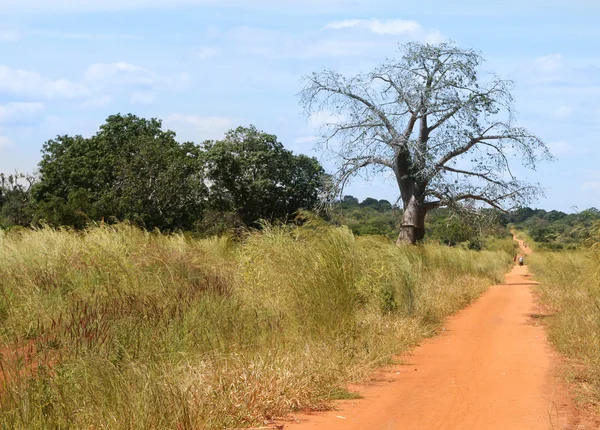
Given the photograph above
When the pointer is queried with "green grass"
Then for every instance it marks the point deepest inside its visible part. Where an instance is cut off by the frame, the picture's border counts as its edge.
(571, 287)
(116, 328)
(505, 244)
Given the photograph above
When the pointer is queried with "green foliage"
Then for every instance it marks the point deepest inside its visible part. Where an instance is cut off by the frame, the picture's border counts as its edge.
(15, 200)
(130, 170)
(556, 230)
(253, 175)
(379, 217)
(370, 217)
(451, 230)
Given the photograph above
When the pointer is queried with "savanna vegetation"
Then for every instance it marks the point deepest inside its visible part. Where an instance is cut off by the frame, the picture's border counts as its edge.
(484, 229)
(556, 230)
(570, 286)
(116, 327)
(148, 283)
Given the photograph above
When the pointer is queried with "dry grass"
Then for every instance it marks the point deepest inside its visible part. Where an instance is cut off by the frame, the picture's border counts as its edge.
(571, 286)
(117, 328)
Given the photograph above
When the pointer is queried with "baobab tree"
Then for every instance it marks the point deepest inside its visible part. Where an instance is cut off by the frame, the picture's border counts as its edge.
(445, 132)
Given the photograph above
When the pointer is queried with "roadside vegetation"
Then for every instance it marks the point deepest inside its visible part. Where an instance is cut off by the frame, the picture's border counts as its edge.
(488, 230)
(570, 286)
(556, 230)
(119, 328)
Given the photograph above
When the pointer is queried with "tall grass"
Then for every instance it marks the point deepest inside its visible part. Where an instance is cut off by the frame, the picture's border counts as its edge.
(116, 328)
(571, 286)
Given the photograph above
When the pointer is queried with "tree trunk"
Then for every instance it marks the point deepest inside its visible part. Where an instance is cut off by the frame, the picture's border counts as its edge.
(412, 229)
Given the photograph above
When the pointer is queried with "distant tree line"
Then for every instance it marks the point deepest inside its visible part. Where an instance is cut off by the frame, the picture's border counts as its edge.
(551, 229)
(558, 230)
(133, 170)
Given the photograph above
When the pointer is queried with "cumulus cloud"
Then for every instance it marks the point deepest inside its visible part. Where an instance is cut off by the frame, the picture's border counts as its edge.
(119, 73)
(198, 128)
(97, 102)
(31, 84)
(19, 112)
(391, 27)
(122, 73)
(558, 71)
(348, 38)
(549, 63)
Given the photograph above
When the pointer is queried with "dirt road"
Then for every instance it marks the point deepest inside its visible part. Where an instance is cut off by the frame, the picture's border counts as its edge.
(491, 368)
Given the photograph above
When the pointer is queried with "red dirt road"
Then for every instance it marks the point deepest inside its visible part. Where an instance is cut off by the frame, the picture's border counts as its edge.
(491, 368)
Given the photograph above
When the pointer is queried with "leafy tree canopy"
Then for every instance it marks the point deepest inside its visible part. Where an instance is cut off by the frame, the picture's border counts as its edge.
(250, 172)
(130, 170)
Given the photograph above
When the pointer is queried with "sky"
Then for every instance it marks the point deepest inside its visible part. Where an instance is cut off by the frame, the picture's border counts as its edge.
(206, 66)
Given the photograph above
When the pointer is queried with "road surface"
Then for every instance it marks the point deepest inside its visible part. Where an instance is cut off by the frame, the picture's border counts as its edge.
(490, 368)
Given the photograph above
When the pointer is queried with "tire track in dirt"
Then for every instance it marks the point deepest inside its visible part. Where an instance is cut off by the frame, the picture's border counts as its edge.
(490, 368)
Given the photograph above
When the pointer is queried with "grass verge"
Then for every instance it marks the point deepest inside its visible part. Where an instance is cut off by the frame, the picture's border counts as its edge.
(570, 285)
(116, 328)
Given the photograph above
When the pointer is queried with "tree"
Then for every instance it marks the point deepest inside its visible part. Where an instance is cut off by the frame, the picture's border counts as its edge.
(446, 133)
(130, 170)
(250, 172)
(15, 200)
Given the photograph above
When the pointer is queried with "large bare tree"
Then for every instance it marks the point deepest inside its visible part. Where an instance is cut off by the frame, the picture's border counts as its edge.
(446, 132)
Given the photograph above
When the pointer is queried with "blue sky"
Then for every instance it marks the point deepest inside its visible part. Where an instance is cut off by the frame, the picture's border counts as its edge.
(205, 66)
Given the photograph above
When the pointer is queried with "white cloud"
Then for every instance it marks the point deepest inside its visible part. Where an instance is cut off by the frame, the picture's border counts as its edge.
(391, 27)
(347, 23)
(18, 112)
(8, 35)
(31, 84)
(121, 73)
(198, 128)
(569, 74)
(4, 142)
(206, 52)
(563, 112)
(549, 63)
(97, 102)
(142, 98)
(278, 45)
